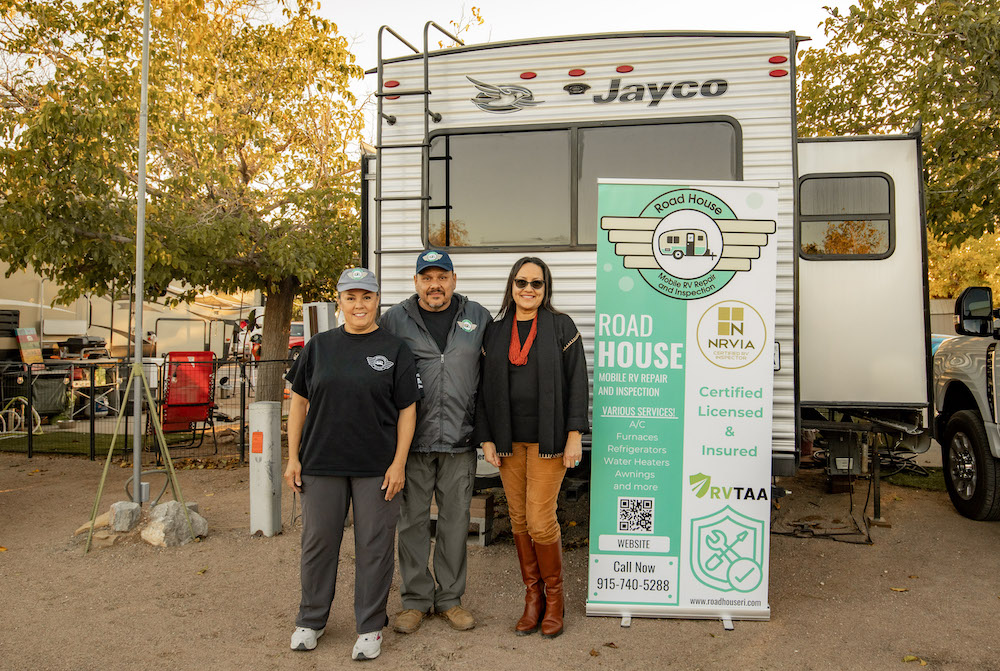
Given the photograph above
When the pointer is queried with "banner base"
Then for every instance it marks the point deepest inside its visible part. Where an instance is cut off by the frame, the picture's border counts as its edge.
(622, 610)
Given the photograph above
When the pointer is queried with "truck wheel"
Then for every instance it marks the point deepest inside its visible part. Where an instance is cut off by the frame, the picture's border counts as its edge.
(971, 473)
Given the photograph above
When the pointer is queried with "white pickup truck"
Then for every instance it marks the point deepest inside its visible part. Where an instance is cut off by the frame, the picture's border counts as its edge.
(965, 407)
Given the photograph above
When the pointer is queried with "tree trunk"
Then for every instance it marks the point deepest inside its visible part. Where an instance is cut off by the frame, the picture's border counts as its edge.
(274, 348)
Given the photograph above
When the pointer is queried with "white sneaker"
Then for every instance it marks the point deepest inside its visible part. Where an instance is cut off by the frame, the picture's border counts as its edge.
(369, 646)
(304, 638)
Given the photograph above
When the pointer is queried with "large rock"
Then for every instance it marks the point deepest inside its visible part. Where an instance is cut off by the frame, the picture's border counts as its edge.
(168, 528)
(125, 515)
(102, 521)
(104, 539)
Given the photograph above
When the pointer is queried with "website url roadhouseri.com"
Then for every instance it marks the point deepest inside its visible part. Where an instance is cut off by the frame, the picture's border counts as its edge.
(721, 601)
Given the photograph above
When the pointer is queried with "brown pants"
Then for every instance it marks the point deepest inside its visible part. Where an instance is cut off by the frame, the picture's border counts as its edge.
(532, 485)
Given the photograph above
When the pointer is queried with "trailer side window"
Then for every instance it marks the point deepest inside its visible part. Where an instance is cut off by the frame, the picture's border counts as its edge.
(695, 151)
(538, 187)
(490, 197)
(846, 216)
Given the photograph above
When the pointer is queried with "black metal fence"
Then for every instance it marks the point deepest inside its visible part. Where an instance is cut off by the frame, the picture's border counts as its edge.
(80, 407)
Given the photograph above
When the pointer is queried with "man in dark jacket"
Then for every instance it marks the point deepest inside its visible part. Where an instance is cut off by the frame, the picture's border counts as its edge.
(445, 332)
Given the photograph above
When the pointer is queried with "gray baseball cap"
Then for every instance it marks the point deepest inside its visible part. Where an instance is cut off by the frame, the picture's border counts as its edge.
(357, 278)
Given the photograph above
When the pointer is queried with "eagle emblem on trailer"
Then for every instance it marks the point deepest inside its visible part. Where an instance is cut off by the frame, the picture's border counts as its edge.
(502, 98)
(688, 243)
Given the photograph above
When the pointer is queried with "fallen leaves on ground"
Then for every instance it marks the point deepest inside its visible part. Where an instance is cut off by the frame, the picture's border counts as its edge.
(2, 549)
(594, 653)
(900, 589)
(202, 572)
(610, 645)
(914, 658)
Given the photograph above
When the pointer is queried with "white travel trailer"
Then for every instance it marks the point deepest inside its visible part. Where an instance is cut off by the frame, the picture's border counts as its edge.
(493, 152)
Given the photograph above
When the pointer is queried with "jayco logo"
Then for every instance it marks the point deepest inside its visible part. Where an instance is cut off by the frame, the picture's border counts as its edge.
(701, 485)
(379, 363)
(467, 325)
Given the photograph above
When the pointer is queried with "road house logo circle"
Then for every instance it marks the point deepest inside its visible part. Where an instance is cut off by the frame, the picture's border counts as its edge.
(358, 274)
(431, 256)
(467, 325)
(379, 362)
(731, 334)
(687, 243)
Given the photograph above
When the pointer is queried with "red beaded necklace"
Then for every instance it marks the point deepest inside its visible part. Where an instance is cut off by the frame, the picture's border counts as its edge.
(517, 354)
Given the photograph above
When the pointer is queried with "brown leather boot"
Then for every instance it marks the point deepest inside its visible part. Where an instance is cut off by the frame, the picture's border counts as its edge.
(550, 566)
(534, 603)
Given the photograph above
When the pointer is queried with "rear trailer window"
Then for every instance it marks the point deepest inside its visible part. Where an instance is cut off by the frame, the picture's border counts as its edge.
(846, 216)
(539, 188)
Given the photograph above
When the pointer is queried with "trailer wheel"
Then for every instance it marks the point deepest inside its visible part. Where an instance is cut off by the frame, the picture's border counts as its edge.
(678, 254)
(971, 473)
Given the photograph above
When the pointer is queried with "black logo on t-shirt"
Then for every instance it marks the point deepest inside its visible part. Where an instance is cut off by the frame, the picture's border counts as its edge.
(379, 363)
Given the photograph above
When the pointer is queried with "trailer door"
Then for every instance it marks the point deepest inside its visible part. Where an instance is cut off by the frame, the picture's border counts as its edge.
(862, 294)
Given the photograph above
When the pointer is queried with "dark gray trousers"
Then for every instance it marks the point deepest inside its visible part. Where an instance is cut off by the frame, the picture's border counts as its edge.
(325, 500)
(450, 478)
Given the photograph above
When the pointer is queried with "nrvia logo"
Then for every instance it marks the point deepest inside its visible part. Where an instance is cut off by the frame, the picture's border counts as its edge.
(380, 363)
(467, 325)
(502, 98)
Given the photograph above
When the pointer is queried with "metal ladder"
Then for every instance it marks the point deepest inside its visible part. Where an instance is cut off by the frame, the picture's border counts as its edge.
(423, 146)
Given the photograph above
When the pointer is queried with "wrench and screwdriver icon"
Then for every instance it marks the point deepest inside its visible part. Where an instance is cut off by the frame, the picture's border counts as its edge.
(718, 541)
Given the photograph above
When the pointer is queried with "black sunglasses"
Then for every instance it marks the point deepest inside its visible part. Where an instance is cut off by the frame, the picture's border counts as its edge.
(535, 284)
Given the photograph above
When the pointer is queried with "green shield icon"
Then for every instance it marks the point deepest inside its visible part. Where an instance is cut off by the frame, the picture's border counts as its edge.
(727, 550)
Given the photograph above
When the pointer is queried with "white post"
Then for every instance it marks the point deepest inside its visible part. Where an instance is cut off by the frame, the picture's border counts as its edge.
(265, 467)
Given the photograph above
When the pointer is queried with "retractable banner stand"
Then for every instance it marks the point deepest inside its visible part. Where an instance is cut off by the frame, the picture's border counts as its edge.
(683, 379)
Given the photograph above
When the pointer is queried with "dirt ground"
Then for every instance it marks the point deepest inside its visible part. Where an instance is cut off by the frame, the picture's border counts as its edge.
(229, 601)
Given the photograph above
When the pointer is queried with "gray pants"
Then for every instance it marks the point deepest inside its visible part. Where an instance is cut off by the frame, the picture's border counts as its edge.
(325, 500)
(450, 477)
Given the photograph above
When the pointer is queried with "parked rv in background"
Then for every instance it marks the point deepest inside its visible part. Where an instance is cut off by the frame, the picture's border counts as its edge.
(204, 325)
(493, 151)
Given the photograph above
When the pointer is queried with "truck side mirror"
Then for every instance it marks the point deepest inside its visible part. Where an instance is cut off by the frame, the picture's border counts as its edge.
(974, 312)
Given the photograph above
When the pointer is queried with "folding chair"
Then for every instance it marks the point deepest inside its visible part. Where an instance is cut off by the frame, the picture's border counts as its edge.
(188, 398)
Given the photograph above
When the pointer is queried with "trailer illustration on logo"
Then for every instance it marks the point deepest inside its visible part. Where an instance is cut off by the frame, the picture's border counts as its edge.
(727, 551)
(502, 98)
(688, 243)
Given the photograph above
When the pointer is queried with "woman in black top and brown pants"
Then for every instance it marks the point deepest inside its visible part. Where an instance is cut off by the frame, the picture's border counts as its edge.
(531, 414)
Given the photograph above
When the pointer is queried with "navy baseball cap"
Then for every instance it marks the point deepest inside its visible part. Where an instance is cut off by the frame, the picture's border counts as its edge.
(433, 258)
(357, 278)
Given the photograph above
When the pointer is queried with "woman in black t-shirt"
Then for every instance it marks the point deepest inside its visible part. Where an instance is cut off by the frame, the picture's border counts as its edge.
(352, 416)
(530, 416)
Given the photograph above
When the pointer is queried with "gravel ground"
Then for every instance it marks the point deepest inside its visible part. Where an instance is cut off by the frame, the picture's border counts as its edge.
(229, 601)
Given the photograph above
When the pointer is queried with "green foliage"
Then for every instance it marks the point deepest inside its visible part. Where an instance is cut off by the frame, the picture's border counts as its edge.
(250, 184)
(890, 63)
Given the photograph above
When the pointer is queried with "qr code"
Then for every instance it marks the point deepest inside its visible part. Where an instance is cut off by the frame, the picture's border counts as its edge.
(635, 515)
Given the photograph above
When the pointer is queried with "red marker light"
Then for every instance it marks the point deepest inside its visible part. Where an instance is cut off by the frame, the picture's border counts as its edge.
(777, 59)
(528, 75)
(391, 84)
(624, 68)
(577, 73)
(778, 73)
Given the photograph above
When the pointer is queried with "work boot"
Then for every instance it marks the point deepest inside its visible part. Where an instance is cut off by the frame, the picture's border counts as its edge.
(408, 621)
(550, 566)
(534, 597)
(459, 618)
